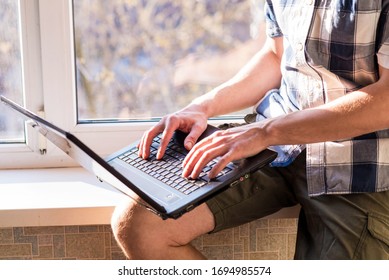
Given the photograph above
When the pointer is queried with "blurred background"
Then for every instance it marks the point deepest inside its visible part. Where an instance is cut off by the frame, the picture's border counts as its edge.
(11, 129)
(141, 59)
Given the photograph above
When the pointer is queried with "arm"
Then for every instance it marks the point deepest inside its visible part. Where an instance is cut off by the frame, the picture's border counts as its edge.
(249, 85)
(245, 89)
(354, 114)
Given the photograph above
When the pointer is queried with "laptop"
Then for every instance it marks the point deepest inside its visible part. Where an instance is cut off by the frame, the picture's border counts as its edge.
(155, 184)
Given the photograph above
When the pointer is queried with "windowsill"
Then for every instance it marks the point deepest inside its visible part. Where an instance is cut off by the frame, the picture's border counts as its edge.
(63, 196)
(53, 197)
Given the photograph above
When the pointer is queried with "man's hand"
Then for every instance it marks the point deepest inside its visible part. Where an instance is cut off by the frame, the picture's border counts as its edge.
(191, 120)
(231, 144)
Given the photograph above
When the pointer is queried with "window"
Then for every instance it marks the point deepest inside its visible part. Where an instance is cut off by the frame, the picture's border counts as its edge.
(11, 129)
(105, 70)
(20, 80)
(140, 60)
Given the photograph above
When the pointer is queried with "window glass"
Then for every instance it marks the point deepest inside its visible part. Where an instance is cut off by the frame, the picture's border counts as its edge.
(11, 127)
(138, 60)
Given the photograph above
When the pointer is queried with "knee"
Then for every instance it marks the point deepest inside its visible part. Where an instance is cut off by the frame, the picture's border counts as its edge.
(133, 227)
(143, 235)
(126, 228)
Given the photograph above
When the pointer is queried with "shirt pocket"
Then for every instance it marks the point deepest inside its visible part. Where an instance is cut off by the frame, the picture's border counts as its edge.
(348, 31)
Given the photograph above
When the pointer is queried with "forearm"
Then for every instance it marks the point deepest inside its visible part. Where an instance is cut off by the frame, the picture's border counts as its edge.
(355, 114)
(248, 86)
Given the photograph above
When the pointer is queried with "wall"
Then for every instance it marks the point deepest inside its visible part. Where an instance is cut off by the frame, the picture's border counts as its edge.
(262, 239)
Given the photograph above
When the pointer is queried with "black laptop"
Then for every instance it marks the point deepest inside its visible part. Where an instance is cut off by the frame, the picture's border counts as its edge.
(158, 183)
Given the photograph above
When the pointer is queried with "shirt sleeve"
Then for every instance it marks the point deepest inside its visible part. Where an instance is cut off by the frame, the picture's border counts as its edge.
(272, 27)
(383, 37)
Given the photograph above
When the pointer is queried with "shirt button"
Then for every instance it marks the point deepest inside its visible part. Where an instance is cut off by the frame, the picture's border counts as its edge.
(309, 2)
(299, 47)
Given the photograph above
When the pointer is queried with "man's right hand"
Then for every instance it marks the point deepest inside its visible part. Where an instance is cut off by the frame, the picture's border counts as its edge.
(191, 120)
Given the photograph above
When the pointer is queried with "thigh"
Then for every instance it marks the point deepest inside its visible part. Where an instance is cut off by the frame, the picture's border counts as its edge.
(265, 192)
(354, 226)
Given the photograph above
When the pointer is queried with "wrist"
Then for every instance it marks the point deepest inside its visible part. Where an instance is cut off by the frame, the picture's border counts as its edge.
(202, 104)
(269, 134)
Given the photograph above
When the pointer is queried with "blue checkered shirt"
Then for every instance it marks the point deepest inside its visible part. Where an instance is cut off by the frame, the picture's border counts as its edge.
(331, 48)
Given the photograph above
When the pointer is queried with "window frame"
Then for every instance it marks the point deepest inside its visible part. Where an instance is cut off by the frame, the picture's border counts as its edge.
(14, 154)
(49, 82)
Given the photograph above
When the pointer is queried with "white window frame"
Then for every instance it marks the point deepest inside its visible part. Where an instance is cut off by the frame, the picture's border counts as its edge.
(14, 154)
(48, 66)
(59, 84)
(48, 59)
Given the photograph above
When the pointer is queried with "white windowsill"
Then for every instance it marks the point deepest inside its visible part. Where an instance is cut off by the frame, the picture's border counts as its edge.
(57, 196)
(63, 196)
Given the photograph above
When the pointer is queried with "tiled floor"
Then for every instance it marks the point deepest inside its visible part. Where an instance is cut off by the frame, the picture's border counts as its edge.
(263, 239)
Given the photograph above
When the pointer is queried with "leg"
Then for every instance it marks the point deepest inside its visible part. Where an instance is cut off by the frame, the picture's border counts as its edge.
(352, 226)
(143, 235)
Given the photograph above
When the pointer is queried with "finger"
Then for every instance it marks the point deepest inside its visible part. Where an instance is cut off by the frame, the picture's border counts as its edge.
(165, 139)
(146, 140)
(172, 123)
(193, 163)
(193, 136)
(201, 158)
(213, 138)
(195, 153)
(207, 158)
(221, 164)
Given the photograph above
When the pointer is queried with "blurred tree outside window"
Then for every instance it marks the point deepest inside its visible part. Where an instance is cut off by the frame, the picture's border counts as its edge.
(142, 59)
(11, 128)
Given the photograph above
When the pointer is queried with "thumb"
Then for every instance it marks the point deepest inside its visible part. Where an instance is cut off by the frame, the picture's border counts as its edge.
(192, 137)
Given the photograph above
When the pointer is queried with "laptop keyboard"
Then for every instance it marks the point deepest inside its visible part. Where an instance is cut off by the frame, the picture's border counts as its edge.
(169, 168)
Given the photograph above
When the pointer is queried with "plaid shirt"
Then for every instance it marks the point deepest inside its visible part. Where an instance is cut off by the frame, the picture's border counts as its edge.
(332, 48)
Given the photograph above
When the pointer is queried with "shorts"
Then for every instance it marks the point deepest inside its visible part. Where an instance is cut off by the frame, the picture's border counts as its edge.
(353, 226)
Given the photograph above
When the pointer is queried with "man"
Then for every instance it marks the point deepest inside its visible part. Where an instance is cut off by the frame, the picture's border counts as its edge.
(322, 80)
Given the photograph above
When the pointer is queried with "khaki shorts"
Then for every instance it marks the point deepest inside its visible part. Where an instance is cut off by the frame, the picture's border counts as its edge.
(354, 226)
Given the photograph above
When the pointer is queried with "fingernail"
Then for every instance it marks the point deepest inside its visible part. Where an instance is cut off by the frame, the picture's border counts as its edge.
(189, 145)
